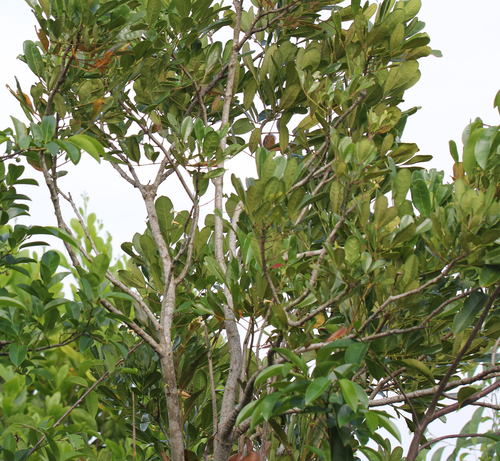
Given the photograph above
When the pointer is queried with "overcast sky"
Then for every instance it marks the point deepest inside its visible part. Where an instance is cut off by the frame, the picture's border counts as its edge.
(453, 90)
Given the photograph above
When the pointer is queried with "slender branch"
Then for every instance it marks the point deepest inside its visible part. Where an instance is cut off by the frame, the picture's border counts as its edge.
(319, 309)
(43, 348)
(212, 386)
(476, 404)
(133, 326)
(455, 436)
(447, 269)
(322, 255)
(494, 353)
(384, 381)
(487, 374)
(399, 331)
(468, 401)
(322, 149)
(362, 95)
(116, 282)
(462, 351)
(62, 75)
(124, 175)
(317, 189)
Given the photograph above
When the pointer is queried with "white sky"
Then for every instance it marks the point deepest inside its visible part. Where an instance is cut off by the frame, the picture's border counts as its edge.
(453, 90)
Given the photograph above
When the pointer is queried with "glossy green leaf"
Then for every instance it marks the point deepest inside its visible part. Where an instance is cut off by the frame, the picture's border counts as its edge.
(153, 11)
(210, 143)
(465, 392)
(421, 368)
(295, 359)
(421, 197)
(316, 388)
(11, 302)
(469, 158)
(100, 265)
(18, 353)
(246, 412)
(72, 150)
(349, 393)
(489, 275)
(269, 372)
(88, 144)
(289, 96)
(356, 352)
(471, 308)
(483, 145)
(268, 405)
(33, 57)
(48, 127)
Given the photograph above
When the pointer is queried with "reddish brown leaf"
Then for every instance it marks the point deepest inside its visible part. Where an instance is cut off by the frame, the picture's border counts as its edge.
(236, 457)
(269, 141)
(253, 456)
(43, 38)
(338, 333)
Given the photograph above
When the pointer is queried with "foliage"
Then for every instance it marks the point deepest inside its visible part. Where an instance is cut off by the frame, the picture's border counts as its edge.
(342, 278)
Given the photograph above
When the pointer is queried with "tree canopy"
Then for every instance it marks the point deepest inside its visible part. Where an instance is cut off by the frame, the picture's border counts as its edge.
(344, 278)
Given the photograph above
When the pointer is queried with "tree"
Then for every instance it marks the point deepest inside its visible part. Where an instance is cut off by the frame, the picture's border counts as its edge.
(272, 328)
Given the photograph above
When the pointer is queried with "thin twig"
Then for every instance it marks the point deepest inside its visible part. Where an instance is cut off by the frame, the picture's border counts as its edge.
(455, 436)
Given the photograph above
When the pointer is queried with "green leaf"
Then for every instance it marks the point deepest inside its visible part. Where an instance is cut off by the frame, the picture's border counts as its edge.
(349, 393)
(472, 306)
(214, 268)
(469, 160)
(454, 151)
(489, 275)
(496, 103)
(246, 412)
(421, 197)
(295, 359)
(269, 372)
(33, 57)
(242, 126)
(88, 144)
(163, 207)
(73, 152)
(356, 352)
(290, 95)
(465, 392)
(295, 200)
(186, 127)
(210, 143)
(130, 280)
(99, 265)
(11, 302)
(352, 248)
(401, 75)
(48, 127)
(54, 231)
(316, 388)
(153, 12)
(77, 380)
(483, 145)
(18, 353)
(268, 405)
(421, 368)
(92, 403)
